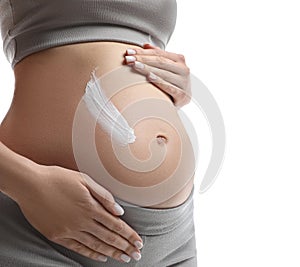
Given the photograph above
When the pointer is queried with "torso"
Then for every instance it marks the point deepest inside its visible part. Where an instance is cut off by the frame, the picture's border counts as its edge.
(48, 88)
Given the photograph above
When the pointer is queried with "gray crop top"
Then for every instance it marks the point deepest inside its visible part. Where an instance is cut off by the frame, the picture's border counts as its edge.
(28, 26)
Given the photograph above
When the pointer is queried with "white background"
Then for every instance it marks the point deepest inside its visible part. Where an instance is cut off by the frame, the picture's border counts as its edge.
(247, 53)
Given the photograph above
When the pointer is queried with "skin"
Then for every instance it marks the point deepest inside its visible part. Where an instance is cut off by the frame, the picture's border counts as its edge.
(166, 70)
(37, 135)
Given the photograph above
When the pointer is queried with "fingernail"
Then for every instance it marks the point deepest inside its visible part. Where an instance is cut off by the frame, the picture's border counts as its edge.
(130, 59)
(138, 244)
(119, 210)
(152, 76)
(102, 258)
(125, 258)
(130, 51)
(137, 256)
(139, 65)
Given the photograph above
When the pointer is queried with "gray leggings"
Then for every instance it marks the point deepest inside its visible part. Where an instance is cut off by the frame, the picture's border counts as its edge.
(168, 236)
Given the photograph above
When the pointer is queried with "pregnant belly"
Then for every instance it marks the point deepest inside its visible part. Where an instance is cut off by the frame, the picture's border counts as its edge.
(46, 124)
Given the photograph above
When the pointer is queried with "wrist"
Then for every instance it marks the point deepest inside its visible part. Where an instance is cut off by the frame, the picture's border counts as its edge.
(27, 180)
(19, 177)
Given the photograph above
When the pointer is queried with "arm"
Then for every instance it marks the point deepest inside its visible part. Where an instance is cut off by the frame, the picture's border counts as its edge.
(17, 173)
(60, 203)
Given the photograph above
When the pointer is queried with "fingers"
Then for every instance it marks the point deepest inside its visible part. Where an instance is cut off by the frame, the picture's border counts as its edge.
(82, 249)
(159, 62)
(167, 70)
(180, 97)
(106, 203)
(107, 248)
(103, 196)
(106, 200)
(149, 49)
(97, 233)
(173, 56)
(118, 226)
(167, 76)
(111, 239)
(168, 82)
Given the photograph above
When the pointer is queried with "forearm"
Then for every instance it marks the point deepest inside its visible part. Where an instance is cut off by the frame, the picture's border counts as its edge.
(17, 173)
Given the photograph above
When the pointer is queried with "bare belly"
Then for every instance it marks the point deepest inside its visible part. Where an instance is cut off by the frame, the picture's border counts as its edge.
(48, 88)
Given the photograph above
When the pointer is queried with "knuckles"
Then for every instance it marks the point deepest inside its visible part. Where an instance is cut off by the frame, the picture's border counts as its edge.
(55, 236)
(107, 199)
(97, 246)
(161, 59)
(181, 57)
(118, 226)
(187, 70)
(183, 101)
(157, 52)
(111, 239)
(76, 247)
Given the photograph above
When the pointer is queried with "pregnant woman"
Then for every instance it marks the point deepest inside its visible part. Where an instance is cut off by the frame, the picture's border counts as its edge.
(56, 207)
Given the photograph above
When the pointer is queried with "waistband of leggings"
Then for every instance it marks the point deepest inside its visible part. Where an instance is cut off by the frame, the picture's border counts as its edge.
(153, 221)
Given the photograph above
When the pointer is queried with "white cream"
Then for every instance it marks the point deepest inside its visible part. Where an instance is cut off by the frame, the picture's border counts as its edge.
(86, 152)
(106, 114)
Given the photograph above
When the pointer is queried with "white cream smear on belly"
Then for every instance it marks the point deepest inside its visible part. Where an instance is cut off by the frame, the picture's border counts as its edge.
(106, 114)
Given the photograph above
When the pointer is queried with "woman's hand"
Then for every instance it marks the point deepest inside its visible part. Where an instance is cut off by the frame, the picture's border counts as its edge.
(166, 70)
(70, 209)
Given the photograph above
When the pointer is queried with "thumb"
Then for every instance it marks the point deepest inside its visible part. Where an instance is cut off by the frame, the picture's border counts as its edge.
(103, 196)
